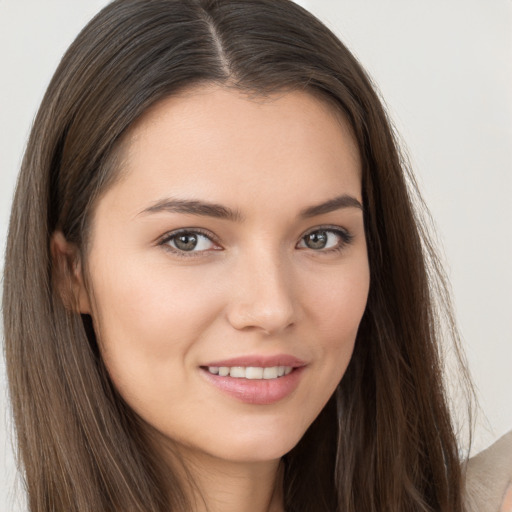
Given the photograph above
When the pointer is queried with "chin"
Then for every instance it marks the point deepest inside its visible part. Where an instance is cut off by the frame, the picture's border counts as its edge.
(258, 445)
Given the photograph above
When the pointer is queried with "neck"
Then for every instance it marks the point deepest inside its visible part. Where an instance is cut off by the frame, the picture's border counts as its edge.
(216, 485)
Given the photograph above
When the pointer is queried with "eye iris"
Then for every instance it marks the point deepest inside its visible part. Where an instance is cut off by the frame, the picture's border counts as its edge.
(186, 241)
(316, 240)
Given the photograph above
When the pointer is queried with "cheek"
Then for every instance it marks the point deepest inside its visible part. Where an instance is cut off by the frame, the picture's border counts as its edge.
(147, 322)
(150, 306)
(338, 302)
(336, 305)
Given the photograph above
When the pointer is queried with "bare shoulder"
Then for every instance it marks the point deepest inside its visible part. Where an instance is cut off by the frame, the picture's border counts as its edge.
(489, 478)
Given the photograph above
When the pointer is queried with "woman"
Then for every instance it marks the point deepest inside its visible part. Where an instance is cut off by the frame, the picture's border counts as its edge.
(211, 229)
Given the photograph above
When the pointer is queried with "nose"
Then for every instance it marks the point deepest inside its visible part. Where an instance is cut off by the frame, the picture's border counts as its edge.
(262, 296)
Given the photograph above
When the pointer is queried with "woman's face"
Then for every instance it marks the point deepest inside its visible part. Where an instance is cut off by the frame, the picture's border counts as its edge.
(229, 269)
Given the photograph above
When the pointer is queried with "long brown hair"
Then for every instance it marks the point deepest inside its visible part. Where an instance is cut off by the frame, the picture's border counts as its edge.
(385, 440)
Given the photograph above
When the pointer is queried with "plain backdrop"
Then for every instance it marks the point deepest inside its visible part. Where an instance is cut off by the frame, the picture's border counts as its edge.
(445, 71)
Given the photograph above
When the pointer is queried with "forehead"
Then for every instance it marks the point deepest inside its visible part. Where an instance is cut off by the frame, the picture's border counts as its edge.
(212, 141)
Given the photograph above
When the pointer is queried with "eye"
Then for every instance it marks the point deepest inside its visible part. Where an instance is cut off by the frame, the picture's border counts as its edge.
(326, 240)
(189, 241)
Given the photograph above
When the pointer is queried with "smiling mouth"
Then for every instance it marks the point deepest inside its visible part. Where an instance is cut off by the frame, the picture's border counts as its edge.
(268, 383)
(250, 372)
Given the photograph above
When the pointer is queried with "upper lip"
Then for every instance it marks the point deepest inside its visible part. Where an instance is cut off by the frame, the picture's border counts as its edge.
(260, 361)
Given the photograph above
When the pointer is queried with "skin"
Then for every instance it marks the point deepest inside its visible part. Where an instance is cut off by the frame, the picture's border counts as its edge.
(257, 288)
(507, 501)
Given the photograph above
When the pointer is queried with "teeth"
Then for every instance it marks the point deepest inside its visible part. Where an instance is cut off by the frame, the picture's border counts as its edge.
(237, 371)
(270, 373)
(251, 372)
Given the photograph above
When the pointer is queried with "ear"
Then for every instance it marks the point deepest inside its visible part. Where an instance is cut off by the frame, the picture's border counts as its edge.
(67, 274)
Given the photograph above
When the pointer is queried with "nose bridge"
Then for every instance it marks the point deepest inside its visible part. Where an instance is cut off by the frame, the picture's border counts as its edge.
(262, 295)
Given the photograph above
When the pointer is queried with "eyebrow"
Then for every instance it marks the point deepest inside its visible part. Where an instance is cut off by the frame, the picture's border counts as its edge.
(207, 209)
(194, 207)
(338, 203)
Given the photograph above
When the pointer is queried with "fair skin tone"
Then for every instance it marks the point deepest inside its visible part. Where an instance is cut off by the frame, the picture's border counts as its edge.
(274, 275)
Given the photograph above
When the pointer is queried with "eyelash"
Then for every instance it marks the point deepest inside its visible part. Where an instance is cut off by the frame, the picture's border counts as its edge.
(345, 239)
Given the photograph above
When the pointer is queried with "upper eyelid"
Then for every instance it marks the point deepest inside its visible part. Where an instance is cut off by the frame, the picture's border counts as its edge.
(324, 227)
(200, 231)
(206, 232)
(332, 228)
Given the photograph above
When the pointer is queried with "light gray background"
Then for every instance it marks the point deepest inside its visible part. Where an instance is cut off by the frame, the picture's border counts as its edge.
(445, 71)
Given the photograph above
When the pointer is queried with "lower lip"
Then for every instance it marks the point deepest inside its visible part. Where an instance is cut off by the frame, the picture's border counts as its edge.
(257, 391)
